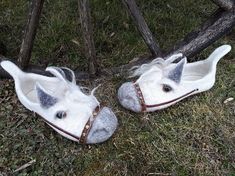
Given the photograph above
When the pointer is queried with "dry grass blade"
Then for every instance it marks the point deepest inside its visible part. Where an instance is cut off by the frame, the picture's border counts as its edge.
(228, 100)
(25, 166)
(162, 174)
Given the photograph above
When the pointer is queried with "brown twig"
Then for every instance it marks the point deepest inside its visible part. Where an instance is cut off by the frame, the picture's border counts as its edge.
(218, 25)
(30, 32)
(87, 31)
(25, 166)
(142, 26)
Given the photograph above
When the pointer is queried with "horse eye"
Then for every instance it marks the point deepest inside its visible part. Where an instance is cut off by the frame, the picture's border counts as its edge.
(166, 88)
(61, 114)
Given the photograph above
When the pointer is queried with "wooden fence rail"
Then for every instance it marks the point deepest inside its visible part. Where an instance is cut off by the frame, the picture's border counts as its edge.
(220, 23)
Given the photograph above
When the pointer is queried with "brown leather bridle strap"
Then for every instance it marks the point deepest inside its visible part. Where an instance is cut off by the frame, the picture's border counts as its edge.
(86, 128)
(144, 106)
(60, 129)
(140, 96)
(171, 101)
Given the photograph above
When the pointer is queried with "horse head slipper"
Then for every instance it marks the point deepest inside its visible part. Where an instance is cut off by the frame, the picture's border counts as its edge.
(162, 83)
(63, 105)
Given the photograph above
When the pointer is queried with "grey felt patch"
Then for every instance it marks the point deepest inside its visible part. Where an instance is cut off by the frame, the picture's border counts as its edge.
(45, 99)
(103, 127)
(128, 97)
(176, 73)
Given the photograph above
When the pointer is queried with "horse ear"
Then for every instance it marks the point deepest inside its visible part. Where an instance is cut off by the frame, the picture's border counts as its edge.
(63, 73)
(69, 74)
(175, 73)
(45, 99)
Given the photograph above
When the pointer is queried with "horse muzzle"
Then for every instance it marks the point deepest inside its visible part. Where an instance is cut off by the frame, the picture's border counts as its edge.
(103, 126)
(128, 97)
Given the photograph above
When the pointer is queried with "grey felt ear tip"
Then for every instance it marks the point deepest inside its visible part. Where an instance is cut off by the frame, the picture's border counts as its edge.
(176, 73)
(103, 127)
(44, 98)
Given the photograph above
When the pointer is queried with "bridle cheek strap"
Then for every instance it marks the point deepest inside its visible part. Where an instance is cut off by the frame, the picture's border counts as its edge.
(144, 106)
(140, 96)
(86, 128)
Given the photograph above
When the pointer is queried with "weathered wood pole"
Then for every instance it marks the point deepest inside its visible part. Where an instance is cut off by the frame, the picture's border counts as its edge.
(215, 27)
(218, 25)
(87, 32)
(30, 32)
(225, 4)
(142, 27)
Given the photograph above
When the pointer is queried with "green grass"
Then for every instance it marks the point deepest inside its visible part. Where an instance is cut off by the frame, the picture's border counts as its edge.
(194, 137)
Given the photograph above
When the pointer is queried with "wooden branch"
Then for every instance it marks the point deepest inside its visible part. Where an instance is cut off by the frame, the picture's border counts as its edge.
(87, 31)
(37, 70)
(225, 4)
(30, 32)
(142, 26)
(220, 24)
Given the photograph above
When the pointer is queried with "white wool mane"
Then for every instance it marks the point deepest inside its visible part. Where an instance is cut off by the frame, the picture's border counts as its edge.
(84, 96)
(139, 70)
(83, 93)
(80, 92)
(158, 63)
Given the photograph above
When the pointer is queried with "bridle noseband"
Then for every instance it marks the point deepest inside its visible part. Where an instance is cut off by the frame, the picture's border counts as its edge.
(144, 106)
(88, 126)
(82, 139)
(140, 97)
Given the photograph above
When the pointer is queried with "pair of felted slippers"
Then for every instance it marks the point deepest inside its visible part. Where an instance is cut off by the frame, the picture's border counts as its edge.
(77, 116)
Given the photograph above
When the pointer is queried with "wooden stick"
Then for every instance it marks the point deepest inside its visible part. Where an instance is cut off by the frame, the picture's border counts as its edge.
(142, 26)
(25, 166)
(225, 4)
(87, 31)
(218, 25)
(30, 32)
(213, 29)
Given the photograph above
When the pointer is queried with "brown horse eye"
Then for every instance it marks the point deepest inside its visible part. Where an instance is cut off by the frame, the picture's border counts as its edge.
(61, 114)
(166, 88)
